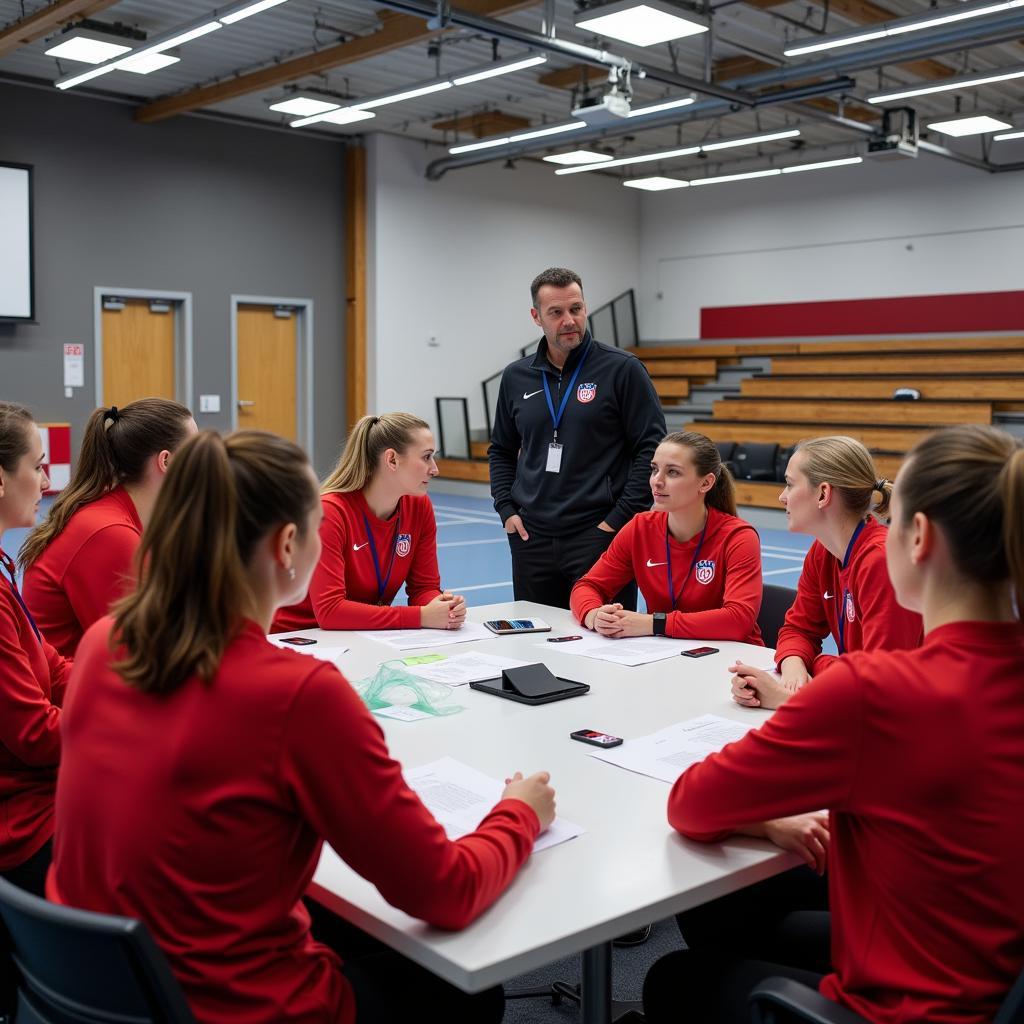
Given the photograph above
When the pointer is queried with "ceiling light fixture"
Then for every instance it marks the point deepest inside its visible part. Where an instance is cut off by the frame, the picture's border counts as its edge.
(147, 63)
(88, 46)
(249, 10)
(1006, 136)
(535, 133)
(504, 68)
(899, 26)
(669, 154)
(746, 175)
(823, 164)
(343, 115)
(641, 22)
(655, 184)
(405, 94)
(951, 84)
(655, 108)
(578, 157)
(305, 103)
(958, 127)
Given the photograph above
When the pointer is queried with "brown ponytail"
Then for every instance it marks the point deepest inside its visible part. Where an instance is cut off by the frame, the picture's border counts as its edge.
(15, 421)
(115, 447)
(970, 481)
(220, 498)
(707, 459)
(370, 438)
(847, 465)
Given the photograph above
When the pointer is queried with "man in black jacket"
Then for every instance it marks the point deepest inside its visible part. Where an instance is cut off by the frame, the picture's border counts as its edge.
(574, 431)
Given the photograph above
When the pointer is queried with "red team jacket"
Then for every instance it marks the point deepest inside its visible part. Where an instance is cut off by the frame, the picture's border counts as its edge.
(873, 619)
(84, 569)
(722, 596)
(343, 593)
(203, 813)
(33, 679)
(918, 756)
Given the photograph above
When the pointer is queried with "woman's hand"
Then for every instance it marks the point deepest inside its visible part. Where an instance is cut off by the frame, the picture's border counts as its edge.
(755, 688)
(614, 622)
(794, 673)
(446, 611)
(803, 834)
(534, 791)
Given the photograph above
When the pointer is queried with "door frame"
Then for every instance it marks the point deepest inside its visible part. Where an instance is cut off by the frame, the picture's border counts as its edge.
(184, 342)
(303, 360)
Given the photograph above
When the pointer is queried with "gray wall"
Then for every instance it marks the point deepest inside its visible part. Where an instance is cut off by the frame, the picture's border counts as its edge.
(189, 205)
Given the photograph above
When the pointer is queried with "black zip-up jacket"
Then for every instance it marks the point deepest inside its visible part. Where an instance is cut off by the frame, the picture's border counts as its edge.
(612, 423)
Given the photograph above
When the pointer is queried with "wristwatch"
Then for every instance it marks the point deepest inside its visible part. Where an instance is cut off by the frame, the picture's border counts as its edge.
(660, 619)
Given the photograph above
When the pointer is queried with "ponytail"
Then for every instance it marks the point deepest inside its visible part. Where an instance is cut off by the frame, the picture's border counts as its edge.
(970, 481)
(707, 459)
(221, 497)
(15, 421)
(845, 464)
(115, 448)
(370, 438)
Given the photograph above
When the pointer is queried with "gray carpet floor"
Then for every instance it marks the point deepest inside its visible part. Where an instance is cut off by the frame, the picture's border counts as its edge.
(629, 967)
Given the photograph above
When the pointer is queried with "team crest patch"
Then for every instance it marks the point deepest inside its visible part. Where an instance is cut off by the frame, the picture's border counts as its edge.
(403, 545)
(705, 570)
(851, 614)
(586, 393)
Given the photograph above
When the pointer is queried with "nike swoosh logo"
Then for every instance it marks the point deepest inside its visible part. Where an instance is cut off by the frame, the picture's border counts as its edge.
(827, 596)
(651, 565)
(532, 393)
(356, 547)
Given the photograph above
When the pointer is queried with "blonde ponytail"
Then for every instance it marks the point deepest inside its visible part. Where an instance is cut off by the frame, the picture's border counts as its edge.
(845, 464)
(369, 439)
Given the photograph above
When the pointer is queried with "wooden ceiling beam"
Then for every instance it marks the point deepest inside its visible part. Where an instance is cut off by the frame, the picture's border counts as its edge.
(573, 76)
(396, 32)
(42, 22)
(483, 123)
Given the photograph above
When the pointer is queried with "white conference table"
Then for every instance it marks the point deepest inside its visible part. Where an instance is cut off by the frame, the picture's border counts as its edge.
(629, 868)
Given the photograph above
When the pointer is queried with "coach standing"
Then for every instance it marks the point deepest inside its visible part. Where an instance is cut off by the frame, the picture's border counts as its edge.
(570, 456)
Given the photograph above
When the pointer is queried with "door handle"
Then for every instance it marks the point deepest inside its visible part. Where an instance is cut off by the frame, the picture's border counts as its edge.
(243, 404)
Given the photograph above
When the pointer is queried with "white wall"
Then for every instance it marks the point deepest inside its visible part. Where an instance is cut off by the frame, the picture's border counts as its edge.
(455, 258)
(922, 227)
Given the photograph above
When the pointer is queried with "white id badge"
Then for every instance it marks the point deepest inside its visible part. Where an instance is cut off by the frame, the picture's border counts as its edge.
(554, 458)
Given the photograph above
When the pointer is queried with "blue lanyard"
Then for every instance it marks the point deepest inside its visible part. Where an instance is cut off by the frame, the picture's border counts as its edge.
(689, 572)
(382, 581)
(11, 569)
(556, 418)
(846, 593)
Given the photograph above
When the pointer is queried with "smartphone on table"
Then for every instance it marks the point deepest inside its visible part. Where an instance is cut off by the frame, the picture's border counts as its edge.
(595, 738)
(699, 652)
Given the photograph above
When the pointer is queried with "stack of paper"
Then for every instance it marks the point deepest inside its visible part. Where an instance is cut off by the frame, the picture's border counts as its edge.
(459, 669)
(409, 639)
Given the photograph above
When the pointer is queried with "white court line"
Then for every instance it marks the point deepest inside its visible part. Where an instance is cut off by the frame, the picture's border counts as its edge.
(464, 522)
(490, 516)
(467, 543)
(772, 547)
(778, 572)
(787, 558)
(480, 586)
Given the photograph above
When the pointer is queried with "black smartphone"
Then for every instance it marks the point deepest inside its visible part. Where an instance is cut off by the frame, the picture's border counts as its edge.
(595, 739)
(699, 652)
(299, 641)
(562, 639)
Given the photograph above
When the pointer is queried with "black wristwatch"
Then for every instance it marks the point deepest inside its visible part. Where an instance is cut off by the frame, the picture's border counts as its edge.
(660, 618)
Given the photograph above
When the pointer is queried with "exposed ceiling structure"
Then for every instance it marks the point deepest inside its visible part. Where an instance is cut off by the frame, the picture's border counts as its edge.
(725, 101)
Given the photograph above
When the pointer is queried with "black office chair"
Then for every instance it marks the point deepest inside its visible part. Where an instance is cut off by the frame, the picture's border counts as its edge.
(778, 999)
(725, 450)
(775, 602)
(782, 461)
(83, 968)
(754, 461)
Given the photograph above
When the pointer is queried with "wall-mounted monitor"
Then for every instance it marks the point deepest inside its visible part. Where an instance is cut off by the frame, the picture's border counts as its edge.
(17, 292)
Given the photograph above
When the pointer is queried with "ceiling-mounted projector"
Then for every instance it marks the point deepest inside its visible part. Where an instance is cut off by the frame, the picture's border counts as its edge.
(606, 109)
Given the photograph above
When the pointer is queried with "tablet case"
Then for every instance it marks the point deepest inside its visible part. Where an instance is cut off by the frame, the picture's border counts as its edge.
(532, 684)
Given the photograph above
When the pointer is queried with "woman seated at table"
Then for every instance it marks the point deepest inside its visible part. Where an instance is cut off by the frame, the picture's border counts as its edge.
(204, 768)
(697, 565)
(918, 756)
(844, 586)
(378, 532)
(81, 558)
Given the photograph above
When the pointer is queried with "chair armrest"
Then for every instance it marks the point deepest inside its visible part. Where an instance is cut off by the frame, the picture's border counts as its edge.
(796, 1000)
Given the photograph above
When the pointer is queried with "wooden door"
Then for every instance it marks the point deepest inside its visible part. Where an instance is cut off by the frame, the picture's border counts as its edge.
(138, 353)
(267, 351)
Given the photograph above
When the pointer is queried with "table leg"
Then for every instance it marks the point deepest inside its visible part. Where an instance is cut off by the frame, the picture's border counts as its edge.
(596, 1005)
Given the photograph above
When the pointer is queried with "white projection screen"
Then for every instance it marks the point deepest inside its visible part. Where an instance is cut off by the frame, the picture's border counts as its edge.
(16, 290)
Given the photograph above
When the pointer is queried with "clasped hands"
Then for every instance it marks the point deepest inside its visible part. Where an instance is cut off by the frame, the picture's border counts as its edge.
(616, 622)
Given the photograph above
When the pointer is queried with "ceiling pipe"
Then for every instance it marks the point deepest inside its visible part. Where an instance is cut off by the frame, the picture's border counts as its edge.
(585, 54)
(944, 40)
(697, 112)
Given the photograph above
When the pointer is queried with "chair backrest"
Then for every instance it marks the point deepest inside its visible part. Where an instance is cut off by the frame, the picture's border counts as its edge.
(82, 967)
(775, 602)
(782, 461)
(725, 449)
(1012, 1009)
(755, 460)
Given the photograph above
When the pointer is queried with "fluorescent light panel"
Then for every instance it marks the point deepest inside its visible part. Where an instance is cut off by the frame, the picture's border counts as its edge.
(146, 63)
(406, 94)
(250, 10)
(1006, 136)
(823, 164)
(304, 105)
(499, 69)
(578, 157)
(958, 127)
(655, 183)
(917, 23)
(951, 84)
(641, 23)
(88, 47)
(343, 115)
(669, 154)
(655, 108)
